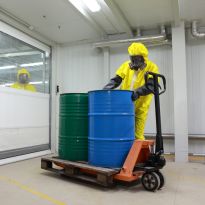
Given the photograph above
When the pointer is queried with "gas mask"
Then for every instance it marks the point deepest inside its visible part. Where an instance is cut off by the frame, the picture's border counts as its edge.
(137, 62)
(23, 78)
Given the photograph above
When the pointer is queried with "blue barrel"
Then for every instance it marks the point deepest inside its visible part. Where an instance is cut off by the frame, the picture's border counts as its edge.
(111, 127)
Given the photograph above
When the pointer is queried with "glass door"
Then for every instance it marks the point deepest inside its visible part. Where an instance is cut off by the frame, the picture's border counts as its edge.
(24, 96)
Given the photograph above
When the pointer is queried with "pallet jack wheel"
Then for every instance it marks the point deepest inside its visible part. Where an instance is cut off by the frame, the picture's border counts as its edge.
(162, 180)
(151, 181)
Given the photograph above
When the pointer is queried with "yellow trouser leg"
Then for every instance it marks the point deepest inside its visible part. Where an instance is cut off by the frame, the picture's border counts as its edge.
(141, 111)
(139, 128)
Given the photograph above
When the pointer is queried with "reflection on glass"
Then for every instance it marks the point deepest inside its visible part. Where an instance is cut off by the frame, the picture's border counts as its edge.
(23, 81)
(16, 55)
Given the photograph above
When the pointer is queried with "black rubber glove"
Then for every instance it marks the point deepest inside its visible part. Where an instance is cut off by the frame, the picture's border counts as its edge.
(142, 91)
(114, 82)
(135, 95)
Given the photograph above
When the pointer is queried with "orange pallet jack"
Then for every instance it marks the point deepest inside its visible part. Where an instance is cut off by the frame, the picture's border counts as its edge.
(143, 161)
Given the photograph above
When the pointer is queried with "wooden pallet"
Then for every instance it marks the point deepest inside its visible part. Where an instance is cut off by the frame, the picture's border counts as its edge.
(80, 170)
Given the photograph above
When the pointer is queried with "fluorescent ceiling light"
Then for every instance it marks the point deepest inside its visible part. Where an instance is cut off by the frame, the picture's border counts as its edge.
(78, 5)
(7, 67)
(38, 82)
(6, 84)
(31, 64)
(22, 65)
(92, 5)
(19, 54)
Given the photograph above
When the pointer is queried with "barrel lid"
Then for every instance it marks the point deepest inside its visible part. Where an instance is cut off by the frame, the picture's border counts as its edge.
(109, 91)
(74, 94)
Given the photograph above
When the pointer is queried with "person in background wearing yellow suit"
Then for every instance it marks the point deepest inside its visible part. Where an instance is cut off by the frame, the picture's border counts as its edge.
(23, 78)
(130, 76)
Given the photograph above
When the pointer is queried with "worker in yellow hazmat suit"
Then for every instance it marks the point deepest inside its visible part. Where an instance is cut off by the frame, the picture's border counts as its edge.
(130, 76)
(23, 78)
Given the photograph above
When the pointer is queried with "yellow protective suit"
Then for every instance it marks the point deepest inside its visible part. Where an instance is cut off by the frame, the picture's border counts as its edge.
(21, 86)
(135, 79)
(27, 86)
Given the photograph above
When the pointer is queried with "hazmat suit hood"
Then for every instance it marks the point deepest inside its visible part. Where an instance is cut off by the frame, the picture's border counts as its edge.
(23, 76)
(136, 49)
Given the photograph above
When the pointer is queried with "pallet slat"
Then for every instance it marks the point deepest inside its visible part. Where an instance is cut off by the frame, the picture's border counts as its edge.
(102, 176)
(83, 165)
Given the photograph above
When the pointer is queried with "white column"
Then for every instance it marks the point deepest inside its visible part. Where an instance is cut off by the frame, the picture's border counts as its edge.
(54, 101)
(180, 93)
(106, 64)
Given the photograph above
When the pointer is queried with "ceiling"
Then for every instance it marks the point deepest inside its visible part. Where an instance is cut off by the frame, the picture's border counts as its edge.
(146, 12)
(193, 9)
(60, 22)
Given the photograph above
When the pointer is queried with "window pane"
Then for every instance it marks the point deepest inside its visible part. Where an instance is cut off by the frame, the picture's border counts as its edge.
(15, 55)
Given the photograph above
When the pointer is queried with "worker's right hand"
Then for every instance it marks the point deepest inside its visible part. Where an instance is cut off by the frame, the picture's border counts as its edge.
(135, 95)
(109, 86)
(114, 82)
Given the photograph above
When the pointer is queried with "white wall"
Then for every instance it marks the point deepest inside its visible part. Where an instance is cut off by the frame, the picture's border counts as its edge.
(80, 69)
(196, 98)
(24, 119)
(196, 86)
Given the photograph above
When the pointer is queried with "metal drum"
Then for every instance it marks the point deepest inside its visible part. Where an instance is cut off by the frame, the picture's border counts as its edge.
(111, 127)
(73, 127)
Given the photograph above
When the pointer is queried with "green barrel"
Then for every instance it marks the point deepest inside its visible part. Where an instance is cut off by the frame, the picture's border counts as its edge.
(73, 127)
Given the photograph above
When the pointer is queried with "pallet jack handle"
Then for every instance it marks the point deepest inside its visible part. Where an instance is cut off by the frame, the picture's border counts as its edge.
(159, 149)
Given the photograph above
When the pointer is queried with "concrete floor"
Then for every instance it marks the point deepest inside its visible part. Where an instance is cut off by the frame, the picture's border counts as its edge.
(24, 183)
